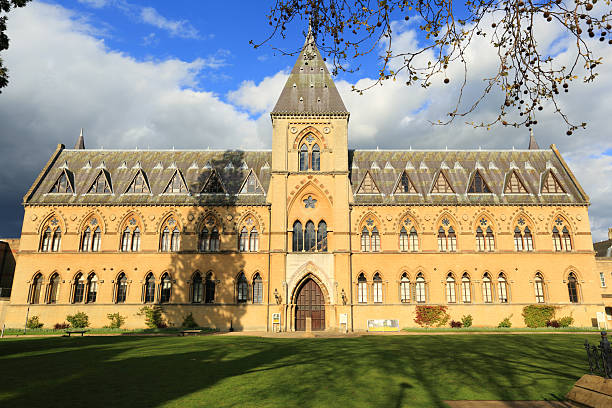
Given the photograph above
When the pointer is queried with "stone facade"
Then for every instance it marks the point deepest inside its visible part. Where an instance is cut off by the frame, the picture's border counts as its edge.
(356, 209)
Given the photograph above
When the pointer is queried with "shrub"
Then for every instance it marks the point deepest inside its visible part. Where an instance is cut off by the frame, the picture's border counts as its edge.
(153, 317)
(467, 320)
(455, 325)
(189, 322)
(505, 323)
(61, 326)
(538, 315)
(566, 321)
(34, 323)
(553, 323)
(431, 315)
(116, 320)
(78, 320)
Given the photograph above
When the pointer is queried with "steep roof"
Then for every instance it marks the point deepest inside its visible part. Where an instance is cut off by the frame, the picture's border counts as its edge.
(309, 88)
(459, 167)
(602, 248)
(159, 166)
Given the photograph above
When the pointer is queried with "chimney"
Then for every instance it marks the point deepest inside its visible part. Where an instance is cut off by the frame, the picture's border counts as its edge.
(610, 233)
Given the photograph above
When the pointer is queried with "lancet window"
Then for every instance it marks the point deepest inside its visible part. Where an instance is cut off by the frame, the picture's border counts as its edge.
(310, 239)
(248, 240)
(121, 288)
(447, 238)
(405, 288)
(572, 287)
(539, 287)
(170, 236)
(209, 236)
(377, 288)
(149, 289)
(466, 289)
(166, 288)
(487, 289)
(362, 289)
(450, 289)
(370, 237)
(51, 237)
(502, 288)
(309, 154)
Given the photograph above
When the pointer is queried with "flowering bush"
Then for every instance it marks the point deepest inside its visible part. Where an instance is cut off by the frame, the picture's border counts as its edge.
(428, 316)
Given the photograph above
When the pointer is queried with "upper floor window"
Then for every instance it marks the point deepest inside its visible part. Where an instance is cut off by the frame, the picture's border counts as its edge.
(447, 239)
(409, 242)
(171, 236)
(51, 237)
(479, 185)
(370, 239)
(248, 240)
(102, 184)
(310, 239)
(242, 288)
(90, 242)
(485, 242)
(209, 236)
(561, 241)
(602, 279)
(130, 240)
(572, 287)
(310, 156)
(64, 183)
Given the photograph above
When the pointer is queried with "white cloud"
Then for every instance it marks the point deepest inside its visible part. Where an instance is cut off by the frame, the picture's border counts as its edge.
(259, 98)
(96, 3)
(176, 28)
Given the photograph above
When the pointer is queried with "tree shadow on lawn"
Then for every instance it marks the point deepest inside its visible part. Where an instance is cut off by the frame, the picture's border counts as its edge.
(232, 371)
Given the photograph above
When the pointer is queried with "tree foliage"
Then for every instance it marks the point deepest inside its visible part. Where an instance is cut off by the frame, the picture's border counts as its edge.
(5, 7)
(528, 76)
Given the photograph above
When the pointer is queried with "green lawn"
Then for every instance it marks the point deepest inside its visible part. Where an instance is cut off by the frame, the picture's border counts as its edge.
(221, 371)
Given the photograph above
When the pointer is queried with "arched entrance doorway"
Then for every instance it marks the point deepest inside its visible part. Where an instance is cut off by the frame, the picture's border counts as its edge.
(310, 304)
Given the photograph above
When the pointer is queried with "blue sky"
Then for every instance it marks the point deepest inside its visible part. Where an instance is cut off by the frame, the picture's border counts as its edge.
(160, 74)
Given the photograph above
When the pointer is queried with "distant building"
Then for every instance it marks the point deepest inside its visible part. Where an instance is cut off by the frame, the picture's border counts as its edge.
(603, 262)
(309, 232)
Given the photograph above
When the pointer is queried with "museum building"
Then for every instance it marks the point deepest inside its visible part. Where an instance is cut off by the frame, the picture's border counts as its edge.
(308, 235)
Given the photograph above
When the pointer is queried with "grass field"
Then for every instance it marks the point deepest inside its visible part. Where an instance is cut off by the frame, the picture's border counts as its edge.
(223, 371)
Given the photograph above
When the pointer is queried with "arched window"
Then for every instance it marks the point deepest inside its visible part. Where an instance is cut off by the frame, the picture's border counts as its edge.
(298, 237)
(420, 289)
(539, 288)
(375, 240)
(316, 158)
(149, 289)
(414, 240)
(214, 240)
(209, 289)
(304, 157)
(79, 289)
(257, 289)
(136, 240)
(165, 240)
(244, 240)
(365, 240)
(556, 239)
(405, 288)
(480, 241)
(466, 292)
(92, 288)
(490, 239)
(452, 240)
(502, 288)
(322, 237)
(175, 242)
(36, 289)
(166, 288)
(567, 239)
(572, 288)
(254, 240)
(362, 289)
(86, 240)
(121, 288)
(442, 243)
(518, 240)
(450, 288)
(53, 288)
(242, 288)
(126, 237)
(377, 291)
(487, 290)
(57, 239)
(45, 244)
(204, 240)
(197, 289)
(95, 242)
(309, 237)
(528, 239)
(403, 237)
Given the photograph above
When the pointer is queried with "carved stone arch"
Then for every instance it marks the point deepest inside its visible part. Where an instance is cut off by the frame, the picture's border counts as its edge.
(488, 215)
(251, 276)
(90, 273)
(35, 274)
(465, 272)
(55, 272)
(310, 129)
(121, 224)
(309, 181)
(166, 215)
(77, 273)
(85, 220)
(358, 274)
(507, 275)
(118, 274)
(164, 272)
(147, 273)
(249, 212)
(377, 271)
(404, 270)
(199, 222)
(47, 218)
(398, 222)
(452, 273)
(378, 221)
(541, 274)
(517, 215)
(568, 221)
(300, 282)
(445, 213)
(573, 269)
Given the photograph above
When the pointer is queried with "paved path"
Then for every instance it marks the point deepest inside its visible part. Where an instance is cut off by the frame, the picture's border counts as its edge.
(512, 404)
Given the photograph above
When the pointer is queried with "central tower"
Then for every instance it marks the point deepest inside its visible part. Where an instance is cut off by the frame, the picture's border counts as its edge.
(309, 189)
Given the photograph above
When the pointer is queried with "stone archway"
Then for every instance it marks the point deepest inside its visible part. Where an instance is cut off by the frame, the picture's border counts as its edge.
(309, 306)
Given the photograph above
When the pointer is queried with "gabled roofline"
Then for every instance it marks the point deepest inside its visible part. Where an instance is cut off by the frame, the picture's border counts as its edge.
(214, 173)
(584, 195)
(43, 173)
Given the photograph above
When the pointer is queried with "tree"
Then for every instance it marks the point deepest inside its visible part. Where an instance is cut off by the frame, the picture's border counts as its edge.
(5, 7)
(527, 76)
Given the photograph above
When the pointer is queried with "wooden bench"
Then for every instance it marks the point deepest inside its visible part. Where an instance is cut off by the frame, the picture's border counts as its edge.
(190, 332)
(69, 332)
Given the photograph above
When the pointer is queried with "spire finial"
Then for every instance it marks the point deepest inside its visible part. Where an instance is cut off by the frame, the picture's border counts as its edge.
(80, 144)
(533, 145)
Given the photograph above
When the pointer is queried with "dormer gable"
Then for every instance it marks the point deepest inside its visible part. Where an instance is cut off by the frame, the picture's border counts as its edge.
(101, 184)
(177, 184)
(404, 185)
(515, 185)
(441, 185)
(64, 183)
(368, 185)
(251, 184)
(139, 184)
(213, 184)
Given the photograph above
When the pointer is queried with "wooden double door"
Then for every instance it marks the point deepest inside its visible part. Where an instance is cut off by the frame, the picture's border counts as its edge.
(310, 304)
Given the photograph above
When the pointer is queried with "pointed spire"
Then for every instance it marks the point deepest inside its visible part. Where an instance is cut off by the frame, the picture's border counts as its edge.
(533, 145)
(80, 144)
(309, 88)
